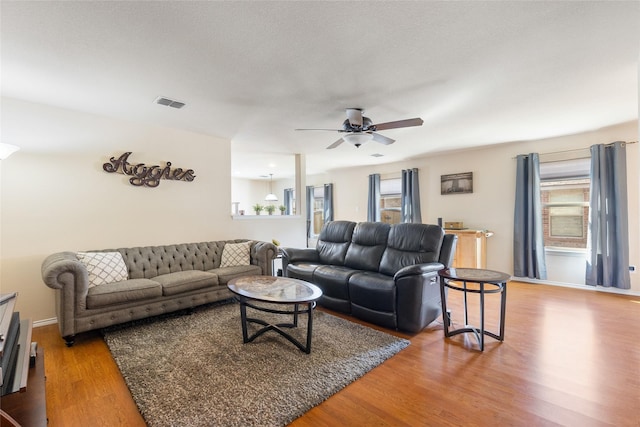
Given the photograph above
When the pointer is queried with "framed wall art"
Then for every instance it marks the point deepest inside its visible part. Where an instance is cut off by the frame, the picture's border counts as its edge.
(457, 183)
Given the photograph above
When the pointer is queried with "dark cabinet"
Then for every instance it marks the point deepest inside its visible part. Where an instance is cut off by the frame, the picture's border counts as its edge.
(22, 374)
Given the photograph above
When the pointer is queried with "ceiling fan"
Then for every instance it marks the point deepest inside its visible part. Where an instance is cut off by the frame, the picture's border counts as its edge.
(359, 129)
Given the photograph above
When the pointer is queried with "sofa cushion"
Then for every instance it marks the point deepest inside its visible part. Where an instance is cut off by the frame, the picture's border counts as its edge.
(227, 273)
(184, 281)
(302, 270)
(367, 246)
(373, 290)
(236, 254)
(104, 267)
(333, 241)
(122, 292)
(333, 279)
(410, 244)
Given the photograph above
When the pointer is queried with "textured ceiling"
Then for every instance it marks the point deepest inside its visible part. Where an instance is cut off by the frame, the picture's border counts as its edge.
(476, 72)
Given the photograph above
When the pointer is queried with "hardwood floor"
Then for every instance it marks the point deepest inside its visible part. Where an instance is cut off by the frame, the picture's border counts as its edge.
(570, 357)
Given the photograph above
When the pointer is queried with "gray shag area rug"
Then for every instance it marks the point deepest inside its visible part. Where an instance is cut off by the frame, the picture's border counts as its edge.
(194, 370)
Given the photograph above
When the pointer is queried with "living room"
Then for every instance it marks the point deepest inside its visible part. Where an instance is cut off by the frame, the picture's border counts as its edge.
(55, 195)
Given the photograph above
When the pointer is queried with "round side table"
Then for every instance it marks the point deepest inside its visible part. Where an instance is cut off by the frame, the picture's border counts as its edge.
(489, 282)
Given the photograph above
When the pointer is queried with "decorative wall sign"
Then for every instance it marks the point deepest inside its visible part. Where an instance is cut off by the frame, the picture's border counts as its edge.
(147, 176)
(456, 183)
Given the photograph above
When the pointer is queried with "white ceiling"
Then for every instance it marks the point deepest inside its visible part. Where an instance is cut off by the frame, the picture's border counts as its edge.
(476, 72)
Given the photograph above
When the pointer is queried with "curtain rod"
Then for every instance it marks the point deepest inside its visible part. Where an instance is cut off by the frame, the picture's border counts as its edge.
(580, 149)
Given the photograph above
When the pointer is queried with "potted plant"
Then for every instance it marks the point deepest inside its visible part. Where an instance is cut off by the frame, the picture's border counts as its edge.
(270, 209)
(258, 208)
(282, 209)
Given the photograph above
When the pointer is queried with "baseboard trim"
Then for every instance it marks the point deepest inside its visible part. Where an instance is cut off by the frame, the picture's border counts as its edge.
(45, 322)
(630, 292)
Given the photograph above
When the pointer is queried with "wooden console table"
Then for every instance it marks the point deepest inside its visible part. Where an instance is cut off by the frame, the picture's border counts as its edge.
(471, 250)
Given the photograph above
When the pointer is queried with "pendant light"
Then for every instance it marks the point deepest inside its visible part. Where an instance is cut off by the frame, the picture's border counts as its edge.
(271, 197)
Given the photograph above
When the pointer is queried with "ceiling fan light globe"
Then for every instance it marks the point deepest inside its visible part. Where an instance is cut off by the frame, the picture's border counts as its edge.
(357, 138)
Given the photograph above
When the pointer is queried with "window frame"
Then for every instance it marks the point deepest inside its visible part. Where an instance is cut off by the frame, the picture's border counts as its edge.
(390, 188)
(318, 196)
(571, 176)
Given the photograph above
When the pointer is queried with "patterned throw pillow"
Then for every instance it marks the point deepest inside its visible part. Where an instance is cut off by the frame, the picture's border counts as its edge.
(104, 267)
(235, 254)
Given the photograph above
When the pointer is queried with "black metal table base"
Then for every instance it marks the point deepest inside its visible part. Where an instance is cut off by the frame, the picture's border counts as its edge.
(278, 327)
(479, 332)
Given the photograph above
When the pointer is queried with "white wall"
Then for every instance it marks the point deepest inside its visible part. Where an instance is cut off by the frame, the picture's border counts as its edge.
(491, 204)
(56, 197)
(248, 192)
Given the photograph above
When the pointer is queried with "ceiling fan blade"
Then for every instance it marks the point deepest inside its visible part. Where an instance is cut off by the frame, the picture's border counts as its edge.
(399, 124)
(332, 130)
(382, 139)
(335, 144)
(355, 116)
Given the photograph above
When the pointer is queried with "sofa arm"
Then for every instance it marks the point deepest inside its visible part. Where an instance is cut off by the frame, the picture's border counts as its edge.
(418, 296)
(297, 255)
(69, 277)
(262, 255)
(429, 269)
(290, 255)
(55, 266)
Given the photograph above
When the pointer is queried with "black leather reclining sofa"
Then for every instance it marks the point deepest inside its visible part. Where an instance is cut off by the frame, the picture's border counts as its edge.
(384, 274)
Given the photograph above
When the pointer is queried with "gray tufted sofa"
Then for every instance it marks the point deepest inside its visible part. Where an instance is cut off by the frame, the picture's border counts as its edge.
(162, 279)
(387, 275)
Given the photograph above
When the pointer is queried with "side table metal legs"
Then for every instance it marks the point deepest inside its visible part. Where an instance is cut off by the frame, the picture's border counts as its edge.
(479, 332)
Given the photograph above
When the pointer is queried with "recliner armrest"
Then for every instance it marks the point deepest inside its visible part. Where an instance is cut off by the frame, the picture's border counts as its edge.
(300, 254)
(418, 270)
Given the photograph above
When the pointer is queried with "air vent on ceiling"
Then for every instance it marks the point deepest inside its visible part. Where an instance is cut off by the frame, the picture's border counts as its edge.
(169, 102)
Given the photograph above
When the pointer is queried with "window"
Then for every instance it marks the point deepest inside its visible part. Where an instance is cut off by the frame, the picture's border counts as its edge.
(564, 190)
(391, 200)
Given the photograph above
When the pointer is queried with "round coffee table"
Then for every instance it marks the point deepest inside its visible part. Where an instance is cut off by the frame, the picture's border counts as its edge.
(275, 290)
(489, 282)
